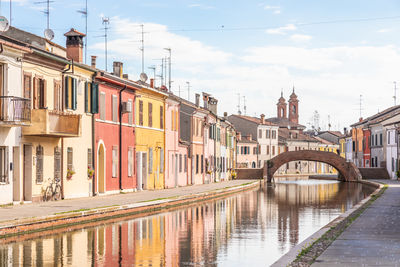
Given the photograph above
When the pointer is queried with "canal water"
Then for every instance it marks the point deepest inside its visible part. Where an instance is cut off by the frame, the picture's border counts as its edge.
(253, 228)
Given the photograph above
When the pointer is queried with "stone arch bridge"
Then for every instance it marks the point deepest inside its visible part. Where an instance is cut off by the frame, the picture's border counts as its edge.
(347, 170)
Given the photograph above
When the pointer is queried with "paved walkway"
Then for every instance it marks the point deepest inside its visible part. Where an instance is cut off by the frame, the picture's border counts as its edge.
(49, 208)
(373, 239)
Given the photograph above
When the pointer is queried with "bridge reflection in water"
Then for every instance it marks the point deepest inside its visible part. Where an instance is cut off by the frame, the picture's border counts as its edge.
(255, 227)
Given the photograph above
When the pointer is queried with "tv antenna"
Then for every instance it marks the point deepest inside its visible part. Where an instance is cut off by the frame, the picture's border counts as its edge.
(153, 67)
(238, 106)
(46, 11)
(360, 106)
(4, 25)
(169, 68)
(84, 12)
(244, 105)
(329, 122)
(395, 93)
(142, 47)
(106, 22)
(188, 88)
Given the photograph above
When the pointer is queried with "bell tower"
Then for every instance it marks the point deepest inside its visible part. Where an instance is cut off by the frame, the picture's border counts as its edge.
(281, 107)
(293, 108)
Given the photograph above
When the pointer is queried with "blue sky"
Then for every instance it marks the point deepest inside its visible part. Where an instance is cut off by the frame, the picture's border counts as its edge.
(255, 48)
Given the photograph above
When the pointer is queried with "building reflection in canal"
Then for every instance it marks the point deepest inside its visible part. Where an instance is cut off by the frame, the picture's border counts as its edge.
(255, 227)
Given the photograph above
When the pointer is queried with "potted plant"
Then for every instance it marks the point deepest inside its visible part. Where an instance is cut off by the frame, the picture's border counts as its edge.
(70, 173)
(398, 174)
(233, 174)
(90, 172)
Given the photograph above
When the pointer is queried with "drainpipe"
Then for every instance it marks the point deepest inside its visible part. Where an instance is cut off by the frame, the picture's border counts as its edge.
(120, 136)
(94, 144)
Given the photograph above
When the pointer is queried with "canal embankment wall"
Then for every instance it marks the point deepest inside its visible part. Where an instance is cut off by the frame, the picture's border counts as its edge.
(153, 205)
(294, 252)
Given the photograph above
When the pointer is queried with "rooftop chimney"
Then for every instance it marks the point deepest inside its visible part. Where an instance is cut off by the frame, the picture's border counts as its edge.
(212, 105)
(117, 68)
(361, 119)
(225, 114)
(151, 82)
(94, 61)
(239, 136)
(197, 100)
(125, 76)
(205, 100)
(75, 45)
(262, 119)
(249, 137)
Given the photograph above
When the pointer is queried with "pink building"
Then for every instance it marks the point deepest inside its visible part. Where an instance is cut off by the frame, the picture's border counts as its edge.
(176, 173)
(209, 149)
(246, 152)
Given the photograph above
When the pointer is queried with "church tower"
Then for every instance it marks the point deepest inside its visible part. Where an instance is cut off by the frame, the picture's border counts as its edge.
(293, 108)
(281, 107)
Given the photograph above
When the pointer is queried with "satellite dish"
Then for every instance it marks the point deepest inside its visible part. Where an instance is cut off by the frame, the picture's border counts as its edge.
(49, 34)
(4, 25)
(143, 77)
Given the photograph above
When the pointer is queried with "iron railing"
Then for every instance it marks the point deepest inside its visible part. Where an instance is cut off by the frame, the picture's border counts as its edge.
(15, 109)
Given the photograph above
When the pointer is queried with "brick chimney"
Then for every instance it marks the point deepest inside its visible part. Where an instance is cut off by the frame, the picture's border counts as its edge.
(249, 137)
(205, 100)
(75, 45)
(94, 61)
(239, 136)
(262, 119)
(152, 82)
(212, 105)
(117, 68)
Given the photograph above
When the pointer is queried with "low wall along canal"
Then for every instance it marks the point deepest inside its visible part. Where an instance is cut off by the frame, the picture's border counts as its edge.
(254, 227)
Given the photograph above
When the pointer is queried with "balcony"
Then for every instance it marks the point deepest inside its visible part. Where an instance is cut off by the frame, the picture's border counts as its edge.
(53, 123)
(14, 111)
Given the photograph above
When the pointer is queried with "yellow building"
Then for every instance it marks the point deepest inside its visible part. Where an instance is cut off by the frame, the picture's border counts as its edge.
(150, 137)
(342, 146)
(324, 145)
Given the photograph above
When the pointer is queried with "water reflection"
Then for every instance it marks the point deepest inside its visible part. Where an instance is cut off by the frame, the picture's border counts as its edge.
(254, 227)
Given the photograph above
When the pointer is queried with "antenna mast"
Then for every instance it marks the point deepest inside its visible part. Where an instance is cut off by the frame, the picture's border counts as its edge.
(106, 22)
(238, 106)
(395, 93)
(46, 12)
(244, 105)
(169, 68)
(142, 48)
(10, 11)
(360, 106)
(188, 88)
(153, 67)
(84, 12)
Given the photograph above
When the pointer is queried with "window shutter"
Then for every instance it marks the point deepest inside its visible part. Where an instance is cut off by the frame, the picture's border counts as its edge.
(130, 115)
(86, 97)
(150, 115)
(34, 92)
(150, 160)
(57, 163)
(114, 108)
(66, 90)
(161, 160)
(74, 99)
(95, 98)
(161, 117)
(7, 163)
(102, 106)
(141, 112)
(44, 94)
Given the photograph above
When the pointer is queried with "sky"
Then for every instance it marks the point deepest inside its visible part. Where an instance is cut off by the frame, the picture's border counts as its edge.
(332, 51)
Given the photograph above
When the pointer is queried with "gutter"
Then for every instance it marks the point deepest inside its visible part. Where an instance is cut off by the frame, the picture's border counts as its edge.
(120, 136)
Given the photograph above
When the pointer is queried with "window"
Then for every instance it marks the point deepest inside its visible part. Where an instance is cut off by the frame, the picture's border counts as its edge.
(91, 98)
(267, 150)
(70, 159)
(57, 163)
(130, 114)
(102, 106)
(197, 163)
(140, 112)
(388, 138)
(161, 160)
(267, 133)
(39, 93)
(150, 115)
(273, 134)
(114, 161)
(130, 161)
(180, 162)
(380, 139)
(185, 163)
(150, 160)
(259, 133)
(161, 117)
(27, 85)
(176, 120)
(172, 120)
(273, 150)
(39, 164)
(57, 95)
(4, 162)
(202, 164)
(70, 86)
(114, 103)
(392, 164)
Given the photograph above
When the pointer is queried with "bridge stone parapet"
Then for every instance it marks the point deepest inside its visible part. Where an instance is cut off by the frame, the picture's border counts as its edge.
(347, 170)
(247, 173)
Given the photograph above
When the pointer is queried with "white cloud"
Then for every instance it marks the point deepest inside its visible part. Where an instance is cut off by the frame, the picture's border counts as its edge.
(385, 30)
(300, 38)
(274, 9)
(282, 30)
(201, 6)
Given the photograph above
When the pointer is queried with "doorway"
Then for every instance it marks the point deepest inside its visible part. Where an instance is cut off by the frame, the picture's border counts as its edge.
(27, 172)
(16, 175)
(101, 169)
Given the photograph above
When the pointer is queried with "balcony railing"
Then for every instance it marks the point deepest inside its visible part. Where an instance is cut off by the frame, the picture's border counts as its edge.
(15, 111)
(54, 123)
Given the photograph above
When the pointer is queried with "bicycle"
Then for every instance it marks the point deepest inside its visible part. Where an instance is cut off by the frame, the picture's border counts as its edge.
(53, 190)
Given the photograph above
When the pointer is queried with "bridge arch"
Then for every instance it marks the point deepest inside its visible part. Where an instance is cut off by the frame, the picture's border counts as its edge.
(347, 170)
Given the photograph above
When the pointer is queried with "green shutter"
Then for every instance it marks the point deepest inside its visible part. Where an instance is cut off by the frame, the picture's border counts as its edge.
(66, 87)
(86, 97)
(95, 98)
(74, 91)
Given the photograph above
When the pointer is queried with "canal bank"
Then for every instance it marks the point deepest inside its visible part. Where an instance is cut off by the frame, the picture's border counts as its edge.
(35, 217)
(308, 251)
